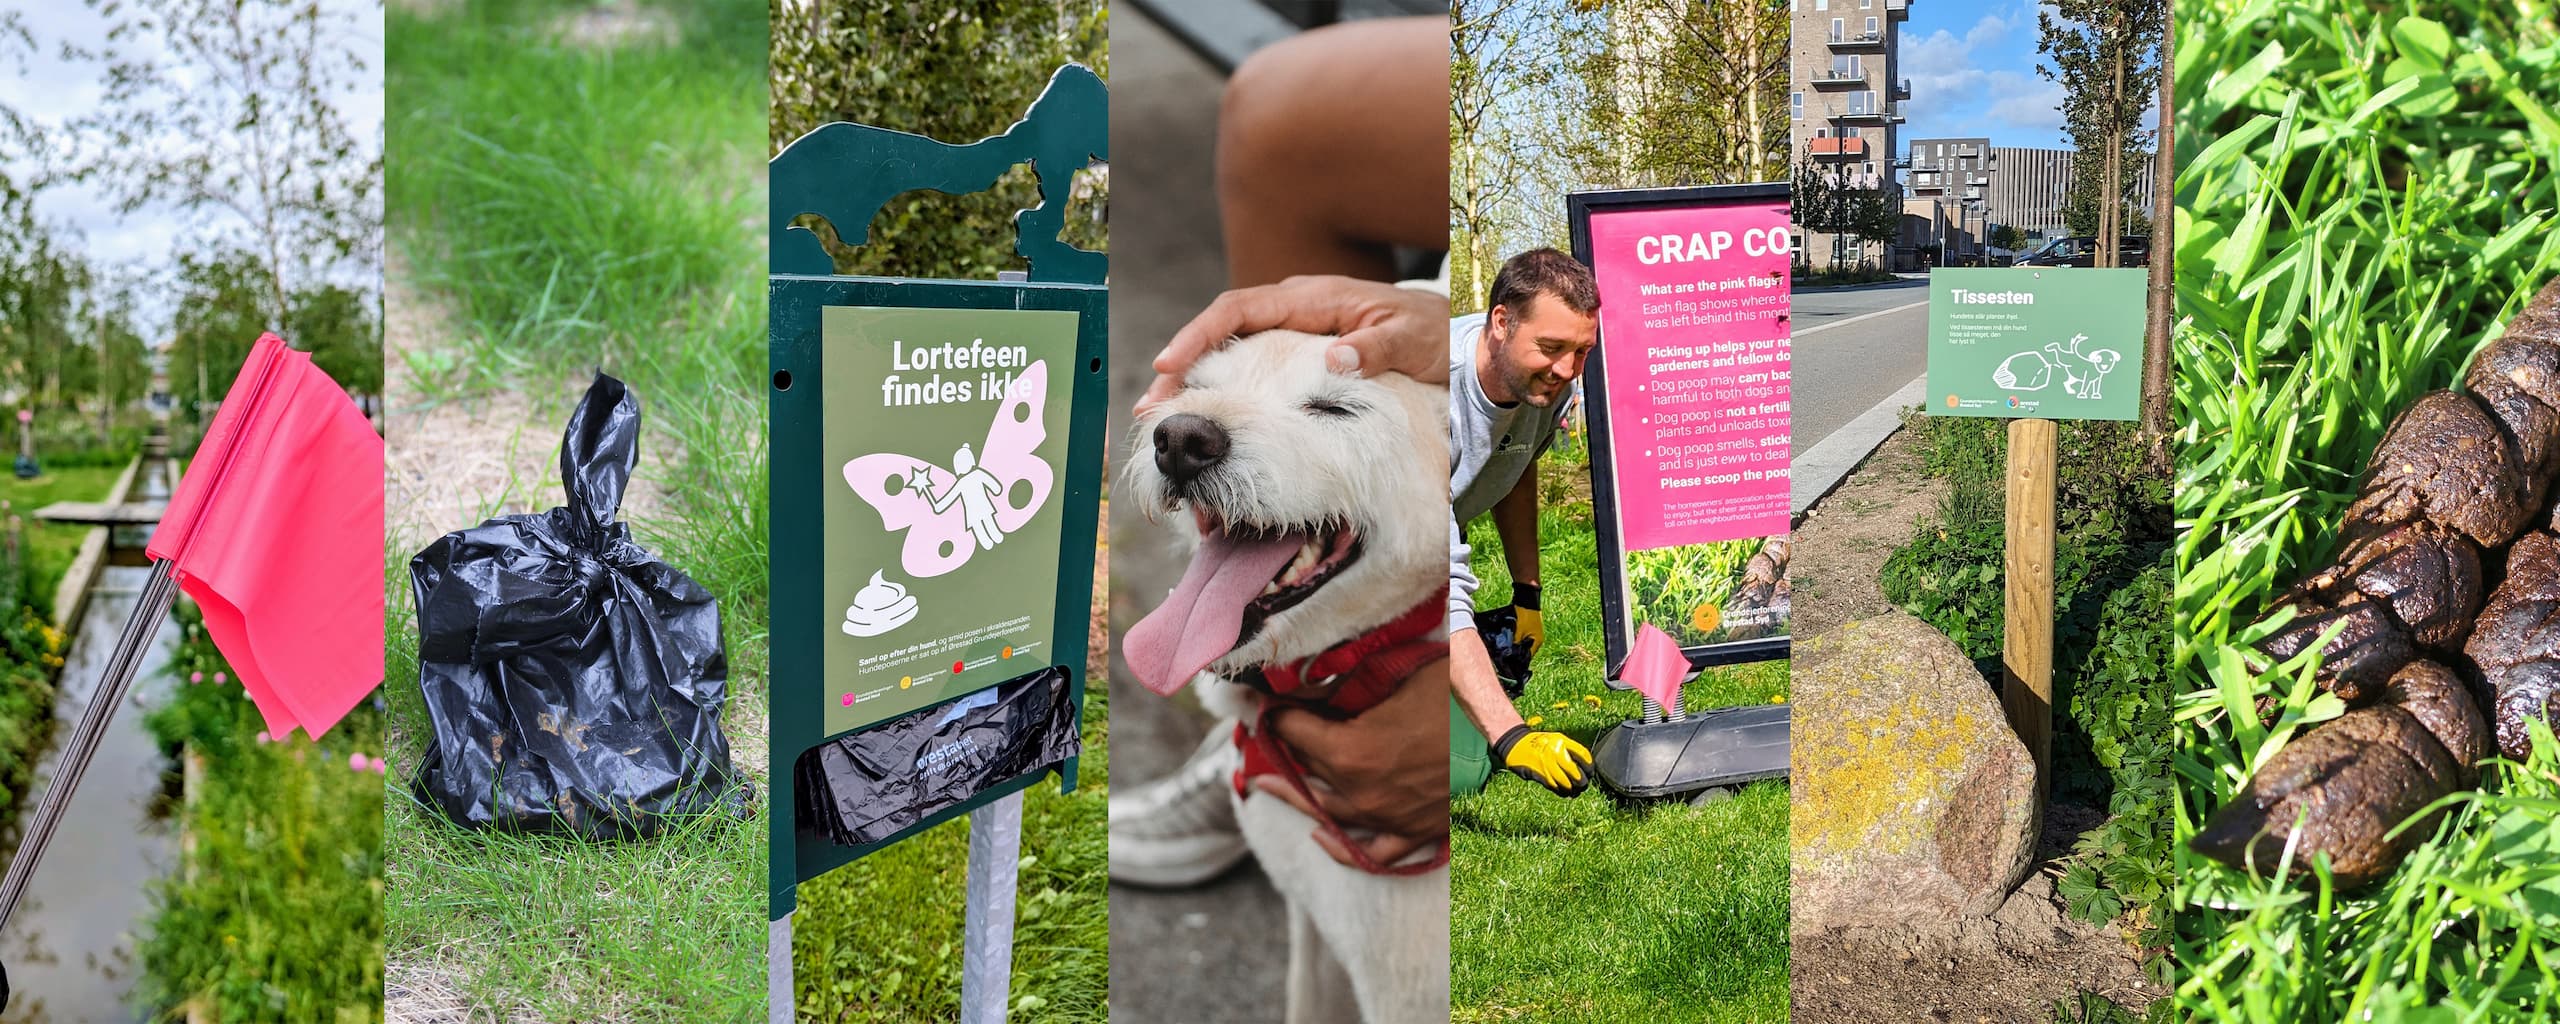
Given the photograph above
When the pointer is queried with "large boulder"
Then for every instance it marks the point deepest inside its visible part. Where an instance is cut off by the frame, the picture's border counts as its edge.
(1912, 802)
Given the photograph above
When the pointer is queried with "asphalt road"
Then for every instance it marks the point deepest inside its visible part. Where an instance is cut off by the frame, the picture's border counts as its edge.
(1853, 348)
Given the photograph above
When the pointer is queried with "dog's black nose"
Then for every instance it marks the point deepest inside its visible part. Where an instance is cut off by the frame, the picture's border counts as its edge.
(1187, 445)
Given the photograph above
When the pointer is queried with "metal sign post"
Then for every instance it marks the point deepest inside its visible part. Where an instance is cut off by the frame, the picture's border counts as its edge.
(937, 481)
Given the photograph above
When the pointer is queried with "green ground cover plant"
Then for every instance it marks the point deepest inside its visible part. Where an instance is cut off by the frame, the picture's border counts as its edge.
(31, 652)
(1681, 909)
(580, 188)
(275, 911)
(2111, 553)
(2365, 198)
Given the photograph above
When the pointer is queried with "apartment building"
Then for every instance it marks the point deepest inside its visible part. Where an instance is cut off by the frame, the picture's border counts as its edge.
(1950, 182)
(1844, 97)
(2032, 185)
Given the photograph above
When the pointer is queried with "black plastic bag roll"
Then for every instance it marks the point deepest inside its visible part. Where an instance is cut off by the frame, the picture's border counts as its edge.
(574, 682)
(869, 786)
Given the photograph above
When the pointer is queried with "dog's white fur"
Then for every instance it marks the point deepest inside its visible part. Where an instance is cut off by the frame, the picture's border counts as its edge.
(1365, 947)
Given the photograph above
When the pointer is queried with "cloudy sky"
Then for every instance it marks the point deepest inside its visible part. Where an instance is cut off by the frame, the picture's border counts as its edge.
(47, 90)
(1972, 66)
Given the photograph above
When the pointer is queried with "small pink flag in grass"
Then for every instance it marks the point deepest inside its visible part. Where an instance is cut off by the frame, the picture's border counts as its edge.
(1656, 668)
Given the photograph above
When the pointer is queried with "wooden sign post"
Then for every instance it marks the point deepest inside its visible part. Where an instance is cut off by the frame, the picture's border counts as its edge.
(2034, 345)
(2026, 660)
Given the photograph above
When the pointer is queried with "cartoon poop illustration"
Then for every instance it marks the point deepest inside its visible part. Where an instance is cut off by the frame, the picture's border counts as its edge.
(2029, 371)
(880, 606)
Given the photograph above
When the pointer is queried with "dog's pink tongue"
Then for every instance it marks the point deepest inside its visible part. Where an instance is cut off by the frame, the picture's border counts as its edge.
(1200, 622)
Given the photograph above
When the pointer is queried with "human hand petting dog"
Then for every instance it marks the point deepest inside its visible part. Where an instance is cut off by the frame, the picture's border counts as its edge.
(1381, 328)
(1377, 772)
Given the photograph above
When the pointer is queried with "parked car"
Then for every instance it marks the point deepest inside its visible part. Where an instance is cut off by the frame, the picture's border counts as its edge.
(2082, 251)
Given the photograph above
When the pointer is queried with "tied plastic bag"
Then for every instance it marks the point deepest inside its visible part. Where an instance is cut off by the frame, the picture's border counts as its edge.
(573, 680)
(1500, 630)
(869, 786)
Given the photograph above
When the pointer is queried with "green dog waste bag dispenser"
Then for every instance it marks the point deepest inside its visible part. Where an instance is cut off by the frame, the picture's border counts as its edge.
(937, 476)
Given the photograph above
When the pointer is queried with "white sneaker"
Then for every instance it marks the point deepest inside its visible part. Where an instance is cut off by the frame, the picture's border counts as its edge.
(1180, 830)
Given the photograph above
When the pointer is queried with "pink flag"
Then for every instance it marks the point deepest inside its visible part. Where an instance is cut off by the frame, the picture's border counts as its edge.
(1656, 668)
(276, 531)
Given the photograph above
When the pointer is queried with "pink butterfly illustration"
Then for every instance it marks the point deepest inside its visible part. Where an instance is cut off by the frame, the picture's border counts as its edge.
(949, 514)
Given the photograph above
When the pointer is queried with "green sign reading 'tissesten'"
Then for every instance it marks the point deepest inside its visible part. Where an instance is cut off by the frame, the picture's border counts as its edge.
(2056, 343)
(946, 438)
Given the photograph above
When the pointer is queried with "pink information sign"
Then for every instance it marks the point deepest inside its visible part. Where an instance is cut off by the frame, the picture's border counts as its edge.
(1696, 365)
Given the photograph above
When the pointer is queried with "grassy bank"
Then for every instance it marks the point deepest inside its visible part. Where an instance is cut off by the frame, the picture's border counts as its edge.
(33, 558)
(580, 188)
(50, 546)
(2365, 196)
(1581, 910)
(274, 912)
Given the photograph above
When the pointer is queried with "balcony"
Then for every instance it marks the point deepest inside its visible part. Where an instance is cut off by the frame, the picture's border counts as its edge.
(1834, 78)
(1837, 147)
(1898, 9)
(1902, 163)
(1902, 90)
(1878, 114)
(1858, 41)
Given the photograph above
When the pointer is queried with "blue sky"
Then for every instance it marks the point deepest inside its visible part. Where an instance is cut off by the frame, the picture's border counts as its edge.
(1972, 66)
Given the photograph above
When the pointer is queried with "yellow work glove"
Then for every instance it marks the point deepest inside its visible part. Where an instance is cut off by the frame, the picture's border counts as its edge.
(1530, 627)
(1550, 759)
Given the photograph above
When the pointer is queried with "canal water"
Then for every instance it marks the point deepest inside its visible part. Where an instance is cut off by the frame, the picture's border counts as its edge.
(72, 949)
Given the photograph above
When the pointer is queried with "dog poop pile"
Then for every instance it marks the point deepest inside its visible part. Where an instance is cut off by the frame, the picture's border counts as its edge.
(2454, 482)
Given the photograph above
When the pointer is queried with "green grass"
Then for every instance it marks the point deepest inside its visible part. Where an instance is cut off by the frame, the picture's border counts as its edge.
(2365, 198)
(572, 206)
(50, 546)
(1579, 910)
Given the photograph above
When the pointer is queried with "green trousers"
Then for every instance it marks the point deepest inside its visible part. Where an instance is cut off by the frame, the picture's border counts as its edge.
(1470, 754)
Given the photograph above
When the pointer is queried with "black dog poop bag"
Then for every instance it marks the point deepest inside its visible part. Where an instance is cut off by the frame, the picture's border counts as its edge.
(574, 681)
(869, 786)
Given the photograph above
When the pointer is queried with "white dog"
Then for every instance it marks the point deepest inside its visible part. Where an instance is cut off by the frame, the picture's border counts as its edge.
(1316, 505)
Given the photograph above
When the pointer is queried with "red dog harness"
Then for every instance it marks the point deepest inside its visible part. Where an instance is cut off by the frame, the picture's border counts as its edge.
(1339, 683)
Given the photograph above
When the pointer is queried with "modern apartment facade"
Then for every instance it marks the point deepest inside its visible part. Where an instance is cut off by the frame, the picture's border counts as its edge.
(2032, 184)
(1950, 186)
(1844, 96)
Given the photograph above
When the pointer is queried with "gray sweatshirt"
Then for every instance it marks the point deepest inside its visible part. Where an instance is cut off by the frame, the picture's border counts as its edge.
(1490, 447)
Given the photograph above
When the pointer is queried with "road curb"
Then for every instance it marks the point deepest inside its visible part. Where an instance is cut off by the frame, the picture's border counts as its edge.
(1863, 287)
(1822, 467)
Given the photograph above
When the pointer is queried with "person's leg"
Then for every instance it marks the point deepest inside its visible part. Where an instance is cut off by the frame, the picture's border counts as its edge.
(1333, 146)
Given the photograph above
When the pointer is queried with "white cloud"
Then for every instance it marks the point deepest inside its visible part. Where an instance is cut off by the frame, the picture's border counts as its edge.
(1983, 82)
(47, 90)
(2030, 104)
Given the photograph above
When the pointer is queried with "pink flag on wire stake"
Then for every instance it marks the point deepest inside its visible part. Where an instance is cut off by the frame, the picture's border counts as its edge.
(1656, 668)
(276, 531)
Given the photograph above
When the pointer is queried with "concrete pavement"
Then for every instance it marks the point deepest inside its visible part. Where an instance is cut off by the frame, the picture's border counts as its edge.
(1214, 953)
(1859, 354)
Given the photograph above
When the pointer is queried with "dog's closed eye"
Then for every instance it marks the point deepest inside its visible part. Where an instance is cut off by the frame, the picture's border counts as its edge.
(1331, 407)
